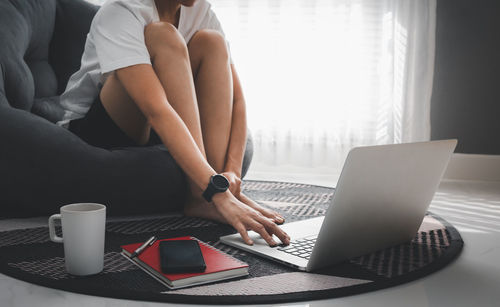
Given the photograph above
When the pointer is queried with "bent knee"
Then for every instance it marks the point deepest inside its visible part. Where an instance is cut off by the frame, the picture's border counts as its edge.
(209, 40)
(160, 35)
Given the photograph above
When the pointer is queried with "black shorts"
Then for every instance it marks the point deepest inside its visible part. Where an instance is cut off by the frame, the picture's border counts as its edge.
(98, 129)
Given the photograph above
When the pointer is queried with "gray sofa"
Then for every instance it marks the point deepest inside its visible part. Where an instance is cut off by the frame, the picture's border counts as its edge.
(43, 166)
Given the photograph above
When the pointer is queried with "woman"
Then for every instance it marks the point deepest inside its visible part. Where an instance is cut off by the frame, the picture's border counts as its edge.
(138, 74)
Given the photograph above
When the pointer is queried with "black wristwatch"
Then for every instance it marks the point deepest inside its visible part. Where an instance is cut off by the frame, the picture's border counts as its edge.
(218, 184)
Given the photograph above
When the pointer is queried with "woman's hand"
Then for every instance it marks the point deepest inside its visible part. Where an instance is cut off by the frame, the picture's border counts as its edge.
(273, 215)
(243, 218)
(235, 188)
(234, 183)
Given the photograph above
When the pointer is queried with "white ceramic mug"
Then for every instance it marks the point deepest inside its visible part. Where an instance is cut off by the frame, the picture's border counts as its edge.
(83, 228)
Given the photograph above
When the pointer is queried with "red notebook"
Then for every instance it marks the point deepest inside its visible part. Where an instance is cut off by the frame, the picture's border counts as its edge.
(220, 266)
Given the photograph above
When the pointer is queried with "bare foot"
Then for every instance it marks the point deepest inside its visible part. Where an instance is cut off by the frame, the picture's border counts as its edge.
(273, 215)
(200, 208)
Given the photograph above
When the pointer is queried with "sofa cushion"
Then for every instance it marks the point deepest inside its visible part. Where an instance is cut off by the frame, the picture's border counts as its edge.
(27, 26)
(44, 166)
(48, 108)
(73, 19)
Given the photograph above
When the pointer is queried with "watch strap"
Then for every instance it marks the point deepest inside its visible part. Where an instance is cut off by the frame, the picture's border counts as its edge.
(209, 192)
(212, 188)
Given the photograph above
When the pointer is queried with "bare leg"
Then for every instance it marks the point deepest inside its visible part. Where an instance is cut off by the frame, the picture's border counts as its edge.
(123, 110)
(172, 66)
(214, 89)
(210, 69)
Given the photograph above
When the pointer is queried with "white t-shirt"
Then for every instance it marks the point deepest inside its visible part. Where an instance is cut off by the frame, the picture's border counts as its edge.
(116, 40)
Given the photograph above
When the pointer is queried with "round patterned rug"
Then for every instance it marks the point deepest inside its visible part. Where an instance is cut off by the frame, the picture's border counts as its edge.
(29, 255)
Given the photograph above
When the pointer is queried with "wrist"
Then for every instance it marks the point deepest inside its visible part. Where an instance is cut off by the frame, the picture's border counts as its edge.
(218, 184)
(233, 171)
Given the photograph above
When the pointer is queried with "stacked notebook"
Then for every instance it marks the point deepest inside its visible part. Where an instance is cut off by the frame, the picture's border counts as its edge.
(219, 266)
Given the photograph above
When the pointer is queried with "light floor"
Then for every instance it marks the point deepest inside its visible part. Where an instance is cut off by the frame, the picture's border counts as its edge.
(472, 280)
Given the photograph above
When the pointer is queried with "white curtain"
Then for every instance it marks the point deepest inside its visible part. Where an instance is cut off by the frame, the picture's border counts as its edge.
(323, 76)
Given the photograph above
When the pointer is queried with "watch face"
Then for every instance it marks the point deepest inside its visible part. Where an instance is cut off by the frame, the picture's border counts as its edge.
(220, 182)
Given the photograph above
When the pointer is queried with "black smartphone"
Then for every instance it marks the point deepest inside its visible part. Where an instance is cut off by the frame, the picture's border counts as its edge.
(181, 256)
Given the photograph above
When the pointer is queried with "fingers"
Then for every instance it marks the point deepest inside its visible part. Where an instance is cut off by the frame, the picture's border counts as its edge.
(261, 229)
(243, 233)
(243, 217)
(266, 228)
(272, 228)
(275, 216)
(279, 220)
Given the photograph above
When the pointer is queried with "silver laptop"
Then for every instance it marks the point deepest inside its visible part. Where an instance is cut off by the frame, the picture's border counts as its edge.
(381, 199)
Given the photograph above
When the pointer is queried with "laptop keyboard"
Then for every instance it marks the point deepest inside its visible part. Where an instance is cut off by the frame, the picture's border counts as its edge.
(301, 247)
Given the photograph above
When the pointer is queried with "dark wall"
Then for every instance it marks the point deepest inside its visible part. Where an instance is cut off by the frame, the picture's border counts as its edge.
(466, 91)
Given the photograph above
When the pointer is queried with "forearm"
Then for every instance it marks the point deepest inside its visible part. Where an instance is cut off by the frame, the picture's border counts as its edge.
(145, 89)
(181, 145)
(238, 138)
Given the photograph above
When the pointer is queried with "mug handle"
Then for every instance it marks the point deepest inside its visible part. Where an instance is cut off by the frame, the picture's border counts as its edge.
(52, 230)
